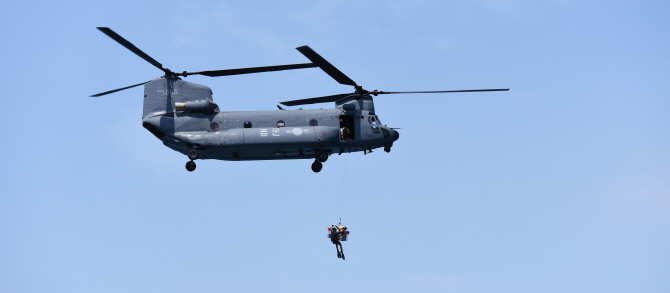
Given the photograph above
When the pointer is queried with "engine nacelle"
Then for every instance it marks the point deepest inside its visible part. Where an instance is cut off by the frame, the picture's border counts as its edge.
(198, 106)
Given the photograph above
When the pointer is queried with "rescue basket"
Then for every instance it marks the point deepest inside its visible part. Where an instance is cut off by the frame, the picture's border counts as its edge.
(341, 237)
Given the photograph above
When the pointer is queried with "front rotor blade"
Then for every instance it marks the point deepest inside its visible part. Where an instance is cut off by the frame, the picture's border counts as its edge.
(430, 92)
(252, 69)
(116, 90)
(326, 66)
(119, 39)
(326, 99)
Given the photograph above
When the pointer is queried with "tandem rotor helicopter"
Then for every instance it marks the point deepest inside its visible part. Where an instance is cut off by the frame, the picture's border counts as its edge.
(185, 118)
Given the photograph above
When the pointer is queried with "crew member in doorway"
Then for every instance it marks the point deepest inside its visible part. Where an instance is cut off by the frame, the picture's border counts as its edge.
(346, 134)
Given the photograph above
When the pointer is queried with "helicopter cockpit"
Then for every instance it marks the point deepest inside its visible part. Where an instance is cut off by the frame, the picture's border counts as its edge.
(375, 123)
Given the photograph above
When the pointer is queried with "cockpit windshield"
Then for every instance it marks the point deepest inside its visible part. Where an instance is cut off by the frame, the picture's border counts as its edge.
(374, 120)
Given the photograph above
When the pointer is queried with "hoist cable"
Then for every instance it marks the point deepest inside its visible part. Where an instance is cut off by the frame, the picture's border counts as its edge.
(343, 182)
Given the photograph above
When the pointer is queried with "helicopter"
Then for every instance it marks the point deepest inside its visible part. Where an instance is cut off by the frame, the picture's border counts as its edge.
(185, 118)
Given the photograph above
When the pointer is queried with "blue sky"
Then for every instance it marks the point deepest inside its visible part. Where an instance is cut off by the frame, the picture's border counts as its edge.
(561, 184)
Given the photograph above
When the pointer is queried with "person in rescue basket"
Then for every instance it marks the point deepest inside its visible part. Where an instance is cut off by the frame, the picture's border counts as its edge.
(335, 236)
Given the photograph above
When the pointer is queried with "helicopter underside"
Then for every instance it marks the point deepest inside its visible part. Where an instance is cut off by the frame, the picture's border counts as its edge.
(290, 154)
(250, 152)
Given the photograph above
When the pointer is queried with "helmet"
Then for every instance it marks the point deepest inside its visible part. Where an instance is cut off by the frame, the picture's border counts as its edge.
(341, 227)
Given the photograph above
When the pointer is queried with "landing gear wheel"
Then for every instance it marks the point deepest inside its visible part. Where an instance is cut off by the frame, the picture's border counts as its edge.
(322, 157)
(317, 166)
(193, 155)
(190, 166)
(387, 149)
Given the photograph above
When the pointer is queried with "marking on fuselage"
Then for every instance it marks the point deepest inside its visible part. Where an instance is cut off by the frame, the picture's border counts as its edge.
(297, 131)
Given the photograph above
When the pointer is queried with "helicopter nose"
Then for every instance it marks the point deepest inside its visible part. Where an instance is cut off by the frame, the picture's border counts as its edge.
(397, 135)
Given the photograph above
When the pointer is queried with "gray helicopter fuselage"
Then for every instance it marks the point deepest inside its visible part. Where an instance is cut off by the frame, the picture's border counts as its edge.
(184, 116)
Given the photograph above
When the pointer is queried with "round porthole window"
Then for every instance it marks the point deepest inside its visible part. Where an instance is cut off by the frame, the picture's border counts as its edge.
(247, 124)
(280, 124)
(214, 126)
(313, 122)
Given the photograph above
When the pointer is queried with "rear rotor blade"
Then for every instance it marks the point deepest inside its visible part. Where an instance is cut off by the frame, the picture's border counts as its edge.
(326, 66)
(251, 70)
(325, 99)
(110, 33)
(116, 90)
(430, 92)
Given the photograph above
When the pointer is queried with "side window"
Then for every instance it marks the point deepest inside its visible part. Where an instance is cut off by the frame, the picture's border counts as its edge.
(375, 129)
(313, 122)
(373, 123)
